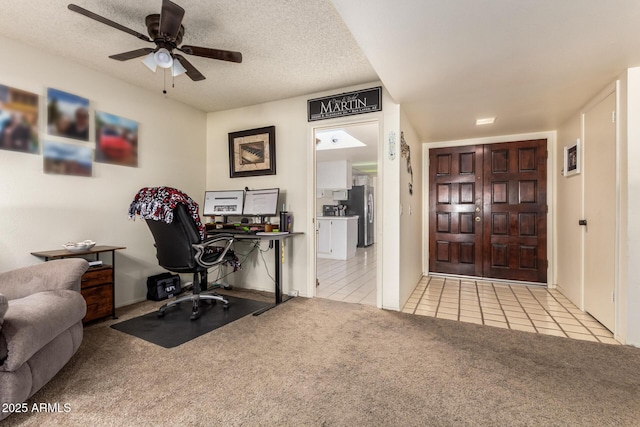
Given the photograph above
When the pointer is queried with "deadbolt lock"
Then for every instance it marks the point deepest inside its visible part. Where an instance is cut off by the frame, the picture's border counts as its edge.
(477, 209)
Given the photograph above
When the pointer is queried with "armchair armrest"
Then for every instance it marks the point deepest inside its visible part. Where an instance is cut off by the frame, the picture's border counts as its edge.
(47, 276)
(201, 249)
(4, 305)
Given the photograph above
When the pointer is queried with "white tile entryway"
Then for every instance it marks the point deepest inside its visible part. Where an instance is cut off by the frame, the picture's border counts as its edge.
(353, 280)
(511, 306)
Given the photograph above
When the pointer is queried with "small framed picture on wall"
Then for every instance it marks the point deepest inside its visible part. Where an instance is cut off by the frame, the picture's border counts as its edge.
(252, 152)
(572, 159)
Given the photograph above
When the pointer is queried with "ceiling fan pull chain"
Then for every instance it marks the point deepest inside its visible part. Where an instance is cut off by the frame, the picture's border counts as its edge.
(164, 84)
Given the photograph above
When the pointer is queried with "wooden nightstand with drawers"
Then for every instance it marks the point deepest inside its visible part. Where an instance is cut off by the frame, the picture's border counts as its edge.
(98, 283)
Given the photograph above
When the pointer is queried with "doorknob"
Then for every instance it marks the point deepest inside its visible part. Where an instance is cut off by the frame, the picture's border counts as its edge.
(582, 222)
(477, 219)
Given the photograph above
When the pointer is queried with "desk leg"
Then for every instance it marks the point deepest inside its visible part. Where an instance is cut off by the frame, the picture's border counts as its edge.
(278, 265)
(278, 290)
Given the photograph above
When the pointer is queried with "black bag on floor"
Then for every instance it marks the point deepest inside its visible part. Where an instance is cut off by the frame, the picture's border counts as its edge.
(163, 286)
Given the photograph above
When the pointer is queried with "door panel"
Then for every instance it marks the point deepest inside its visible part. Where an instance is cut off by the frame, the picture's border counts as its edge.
(455, 175)
(599, 207)
(488, 211)
(515, 204)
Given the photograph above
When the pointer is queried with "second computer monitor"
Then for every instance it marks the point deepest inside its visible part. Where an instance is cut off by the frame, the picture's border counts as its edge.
(261, 202)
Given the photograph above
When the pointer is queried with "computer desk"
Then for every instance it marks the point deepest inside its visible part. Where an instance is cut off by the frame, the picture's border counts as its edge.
(272, 238)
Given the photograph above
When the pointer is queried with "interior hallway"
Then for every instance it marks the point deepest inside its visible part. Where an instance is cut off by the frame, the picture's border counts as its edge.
(511, 306)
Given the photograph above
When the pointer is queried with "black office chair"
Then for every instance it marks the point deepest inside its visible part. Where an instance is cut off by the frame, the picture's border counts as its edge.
(180, 249)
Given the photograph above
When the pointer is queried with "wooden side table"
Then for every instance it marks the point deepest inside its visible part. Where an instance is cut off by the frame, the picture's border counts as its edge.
(98, 283)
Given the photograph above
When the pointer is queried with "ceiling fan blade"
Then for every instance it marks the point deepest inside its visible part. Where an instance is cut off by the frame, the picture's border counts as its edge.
(132, 54)
(106, 21)
(205, 52)
(193, 74)
(170, 19)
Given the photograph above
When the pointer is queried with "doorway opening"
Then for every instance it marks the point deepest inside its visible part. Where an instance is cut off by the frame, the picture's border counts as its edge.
(345, 212)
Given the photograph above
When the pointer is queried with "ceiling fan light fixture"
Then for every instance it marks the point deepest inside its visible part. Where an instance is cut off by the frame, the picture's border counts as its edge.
(177, 69)
(163, 58)
(150, 62)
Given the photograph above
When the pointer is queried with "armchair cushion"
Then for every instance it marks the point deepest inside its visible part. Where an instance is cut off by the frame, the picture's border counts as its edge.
(33, 321)
(38, 303)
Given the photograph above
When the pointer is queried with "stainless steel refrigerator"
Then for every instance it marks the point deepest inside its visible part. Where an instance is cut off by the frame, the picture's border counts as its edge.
(360, 203)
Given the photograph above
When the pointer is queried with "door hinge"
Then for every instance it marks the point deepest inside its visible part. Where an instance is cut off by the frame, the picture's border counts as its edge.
(546, 208)
(613, 297)
(613, 117)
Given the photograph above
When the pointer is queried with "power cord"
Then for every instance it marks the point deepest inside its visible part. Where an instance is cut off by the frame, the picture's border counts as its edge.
(255, 246)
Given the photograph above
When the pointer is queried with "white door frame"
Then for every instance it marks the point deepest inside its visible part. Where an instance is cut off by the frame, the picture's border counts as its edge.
(376, 118)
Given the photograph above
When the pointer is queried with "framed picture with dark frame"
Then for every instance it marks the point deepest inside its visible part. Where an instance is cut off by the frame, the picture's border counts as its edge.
(572, 159)
(252, 152)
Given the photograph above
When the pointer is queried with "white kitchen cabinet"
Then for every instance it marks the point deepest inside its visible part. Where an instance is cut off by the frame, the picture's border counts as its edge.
(324, 238)
(336, 175)
(337, 237)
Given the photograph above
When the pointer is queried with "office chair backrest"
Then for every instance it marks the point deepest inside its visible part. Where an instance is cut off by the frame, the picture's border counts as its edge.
(174, 240)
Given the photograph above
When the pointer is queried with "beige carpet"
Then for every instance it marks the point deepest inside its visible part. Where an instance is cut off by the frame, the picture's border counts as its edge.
(315, 362)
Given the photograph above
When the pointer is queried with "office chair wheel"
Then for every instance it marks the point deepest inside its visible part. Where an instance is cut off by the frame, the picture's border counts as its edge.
(160, 313)
(195, 315)
(225, 306)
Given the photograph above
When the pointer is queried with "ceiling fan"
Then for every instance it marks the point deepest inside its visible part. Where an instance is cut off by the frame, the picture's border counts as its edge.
(166, 31)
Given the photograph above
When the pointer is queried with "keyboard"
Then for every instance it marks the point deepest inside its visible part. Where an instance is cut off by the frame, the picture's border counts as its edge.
(231, 231)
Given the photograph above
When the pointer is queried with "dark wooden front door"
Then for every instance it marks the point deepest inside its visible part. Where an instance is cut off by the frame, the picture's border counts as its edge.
(488, 211)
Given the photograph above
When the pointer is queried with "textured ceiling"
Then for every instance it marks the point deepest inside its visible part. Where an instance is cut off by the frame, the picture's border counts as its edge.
(531, 63)
(289, 47)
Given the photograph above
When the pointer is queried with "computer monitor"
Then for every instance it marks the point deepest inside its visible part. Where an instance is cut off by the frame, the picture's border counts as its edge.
(261, 202)
(223, 203)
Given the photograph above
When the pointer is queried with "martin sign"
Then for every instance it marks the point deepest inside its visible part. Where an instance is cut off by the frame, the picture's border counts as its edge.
(345, 104)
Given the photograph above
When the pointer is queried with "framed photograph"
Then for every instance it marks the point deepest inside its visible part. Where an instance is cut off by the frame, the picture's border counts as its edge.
(67, 159)
(67, 115)
(116, 140)
(572, 159)
(18, 120)
(252, 152)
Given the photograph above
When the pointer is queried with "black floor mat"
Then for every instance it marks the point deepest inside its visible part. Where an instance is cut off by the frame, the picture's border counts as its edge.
(176, 327)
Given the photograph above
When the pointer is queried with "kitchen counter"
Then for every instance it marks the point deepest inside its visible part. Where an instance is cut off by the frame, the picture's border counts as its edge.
(338, 217)
(337, 236)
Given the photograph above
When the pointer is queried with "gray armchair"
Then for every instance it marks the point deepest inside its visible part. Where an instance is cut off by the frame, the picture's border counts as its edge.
(41, 311)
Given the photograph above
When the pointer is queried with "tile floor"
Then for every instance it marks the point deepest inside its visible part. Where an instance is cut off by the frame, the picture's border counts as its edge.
(353, 280)
(510, 306)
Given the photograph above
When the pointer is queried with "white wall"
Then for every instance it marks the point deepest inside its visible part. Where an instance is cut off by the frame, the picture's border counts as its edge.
(569, 236)
(411, 231)
(292, 151)
(41, 212)
(569, 204)
(295, 177)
